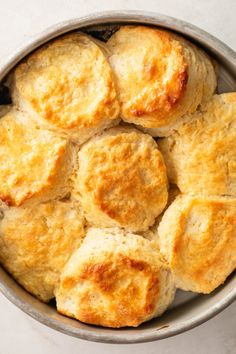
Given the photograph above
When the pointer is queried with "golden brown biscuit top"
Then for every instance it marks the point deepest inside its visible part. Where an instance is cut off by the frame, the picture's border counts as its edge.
(122, 175)
(37, 241)
(201, 155)
(198, 238)
(30, 160)
(68, 83)
(130, 303)
(113, 280)
(151, 72)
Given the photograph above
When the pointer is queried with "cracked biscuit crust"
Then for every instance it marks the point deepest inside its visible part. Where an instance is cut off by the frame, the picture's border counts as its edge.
(197, 236)
(201, 155)
(35, 164)
(115, 279)
(67, 85)
(37, 241)
(121, 180)
(160, 77)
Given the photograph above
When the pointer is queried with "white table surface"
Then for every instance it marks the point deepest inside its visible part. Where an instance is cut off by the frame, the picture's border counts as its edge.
(19, 20)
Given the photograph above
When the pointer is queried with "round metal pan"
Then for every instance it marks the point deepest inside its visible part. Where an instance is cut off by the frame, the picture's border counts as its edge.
(188, 309)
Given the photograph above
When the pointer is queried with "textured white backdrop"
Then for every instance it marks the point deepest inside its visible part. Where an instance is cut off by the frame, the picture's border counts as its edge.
(19, 20)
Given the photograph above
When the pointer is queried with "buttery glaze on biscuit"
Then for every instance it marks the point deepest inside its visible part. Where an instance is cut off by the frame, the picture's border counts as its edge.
(121, 180)
(198, 239)
(160, 77)
(37, 241)
(35, 164)
(68, 85)
(115, 279)
(201, 155)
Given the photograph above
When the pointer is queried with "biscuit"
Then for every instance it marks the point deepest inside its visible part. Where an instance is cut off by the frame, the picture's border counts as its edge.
(115, 279)
(121, 180)
(35, 164)
(67, 86)
(160, 77)
(201, 155)
(37, 241)
(198, 239)
(152, 233)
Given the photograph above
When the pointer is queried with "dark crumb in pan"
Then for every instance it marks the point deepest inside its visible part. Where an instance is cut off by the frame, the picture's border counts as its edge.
(52, 302)
(102, 33)
(5, 96)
